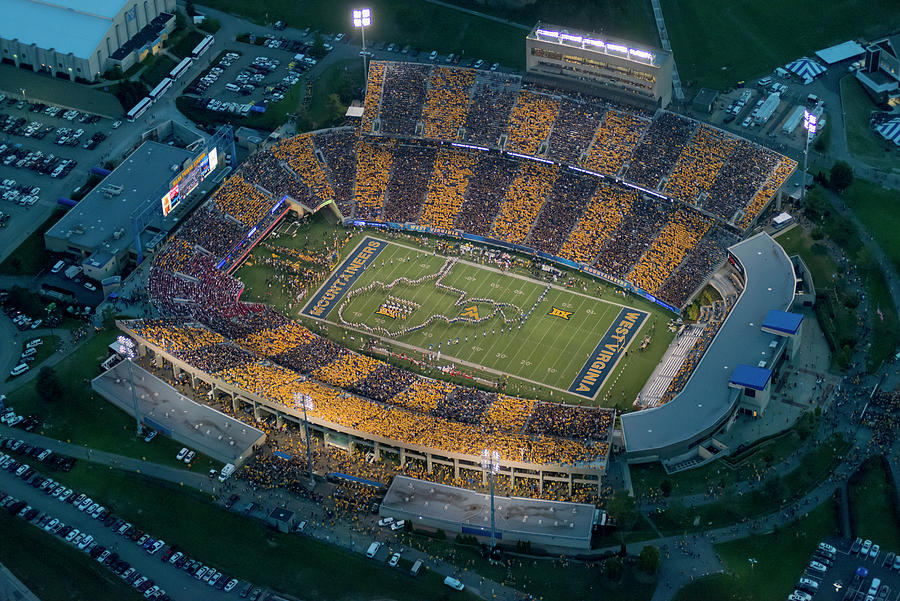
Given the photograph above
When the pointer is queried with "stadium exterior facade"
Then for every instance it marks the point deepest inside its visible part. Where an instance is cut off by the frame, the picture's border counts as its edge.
(624, 71)
(590, 474)
(77, 39)
(677, 433)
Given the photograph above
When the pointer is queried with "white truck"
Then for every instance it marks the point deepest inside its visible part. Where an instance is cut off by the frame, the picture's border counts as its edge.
(227, 470)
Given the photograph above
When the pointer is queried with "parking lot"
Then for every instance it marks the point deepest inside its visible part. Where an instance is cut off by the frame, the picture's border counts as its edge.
(851, 573)
(45, 153)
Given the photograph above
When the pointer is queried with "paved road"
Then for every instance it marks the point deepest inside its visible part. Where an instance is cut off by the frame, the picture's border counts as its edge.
(13, 588)
(175, 582)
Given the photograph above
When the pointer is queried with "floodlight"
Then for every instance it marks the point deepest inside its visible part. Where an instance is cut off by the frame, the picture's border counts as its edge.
(362, 17)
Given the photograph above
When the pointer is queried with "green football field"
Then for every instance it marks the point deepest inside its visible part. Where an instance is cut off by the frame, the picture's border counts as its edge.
(543, 341)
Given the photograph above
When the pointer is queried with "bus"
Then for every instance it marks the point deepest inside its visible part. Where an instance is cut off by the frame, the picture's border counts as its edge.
(139, 109)
(163, 87)
(202, 47)
(181, 68)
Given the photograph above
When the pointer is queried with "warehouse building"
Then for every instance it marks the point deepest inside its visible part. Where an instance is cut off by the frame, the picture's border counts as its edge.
(81, 39)
(620, 70)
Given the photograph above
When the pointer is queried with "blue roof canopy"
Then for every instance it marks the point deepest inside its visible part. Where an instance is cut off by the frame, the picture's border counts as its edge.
(750, 376)
(782, 321)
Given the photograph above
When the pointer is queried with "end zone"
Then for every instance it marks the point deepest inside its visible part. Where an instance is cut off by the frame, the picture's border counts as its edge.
(336, 286)
(608, 352)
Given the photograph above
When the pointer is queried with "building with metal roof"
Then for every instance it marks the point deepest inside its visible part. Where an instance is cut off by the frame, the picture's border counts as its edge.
(712, 395)
(98, 230)
(545, 524)
(80, 39)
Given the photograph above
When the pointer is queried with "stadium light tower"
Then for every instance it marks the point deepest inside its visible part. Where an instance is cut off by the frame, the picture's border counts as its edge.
(810, 121)
(126, 349)
(490, 461)
(362, 18)
(307, 402)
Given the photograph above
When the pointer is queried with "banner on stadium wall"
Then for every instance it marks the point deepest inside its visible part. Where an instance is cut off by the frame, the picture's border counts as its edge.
(424, 229)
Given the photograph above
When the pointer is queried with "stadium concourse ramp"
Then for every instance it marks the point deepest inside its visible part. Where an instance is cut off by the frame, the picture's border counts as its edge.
(707, 401)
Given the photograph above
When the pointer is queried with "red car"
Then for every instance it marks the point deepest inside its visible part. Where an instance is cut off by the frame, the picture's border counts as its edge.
(167, 554)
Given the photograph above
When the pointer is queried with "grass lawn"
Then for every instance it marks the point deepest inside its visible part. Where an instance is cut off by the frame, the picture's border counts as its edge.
(156, 69)
(744, 39)
(814, 468)
(245, 548)
(775, 574)
(325, 108)
(871, 503)
(879, 210)
(83, 418)
(862, 141)
(31, 256)
(184, 41)
(719, 474)
(415, 22)
(823, 268)
(34, 555)
(628, 20)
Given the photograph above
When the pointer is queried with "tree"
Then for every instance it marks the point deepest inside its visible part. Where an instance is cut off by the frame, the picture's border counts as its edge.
(48, 385)
(623, 510)
(318, 48)
(817, 206)
(841, 176)
(613, 568)
(666, 487)
(649, 559)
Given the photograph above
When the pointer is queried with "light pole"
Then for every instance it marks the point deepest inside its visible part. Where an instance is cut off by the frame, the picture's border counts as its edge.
(362, 18)
(126, 349)
(753, 563)
(809, 124)
(307, 402)
(23, 93)
(490, 461)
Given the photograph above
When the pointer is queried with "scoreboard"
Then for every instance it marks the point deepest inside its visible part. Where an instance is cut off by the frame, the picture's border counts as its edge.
(185, 182)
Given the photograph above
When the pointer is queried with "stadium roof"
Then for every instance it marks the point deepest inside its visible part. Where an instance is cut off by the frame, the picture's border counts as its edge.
(750, 376)
(706, 400)
(782, 321)
(554, 522)
(92, 223)
(840, 52)
(75, 26)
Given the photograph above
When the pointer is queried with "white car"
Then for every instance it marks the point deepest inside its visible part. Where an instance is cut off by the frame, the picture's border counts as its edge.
(229, 586)
(98, 511)
(395, 559)
(817, 567)
(181, 453)
(866, 546)
(189, 457)
(85, 504)
(874, 552)
(385, 521)
(398, 525)
(116, 124)
(87, 540)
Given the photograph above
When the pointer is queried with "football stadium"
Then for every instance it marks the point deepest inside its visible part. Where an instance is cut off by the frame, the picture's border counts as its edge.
(452, 181)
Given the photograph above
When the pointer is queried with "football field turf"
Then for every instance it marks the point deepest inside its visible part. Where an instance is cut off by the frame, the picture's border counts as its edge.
(546, 335)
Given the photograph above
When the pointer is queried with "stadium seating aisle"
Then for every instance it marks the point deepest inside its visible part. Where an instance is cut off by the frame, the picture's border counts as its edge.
(405, 193)
(609, 205)
(402, 97)
(699, 164)
(338, 146)
(372, 101)
(299, 154)
(373, 170)
(614, 141)
(565, 204)
(524, 199)
(447, 102)
(447, 189)
(676, 240)
(574, 129)
(530, 122)
(658, 150)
